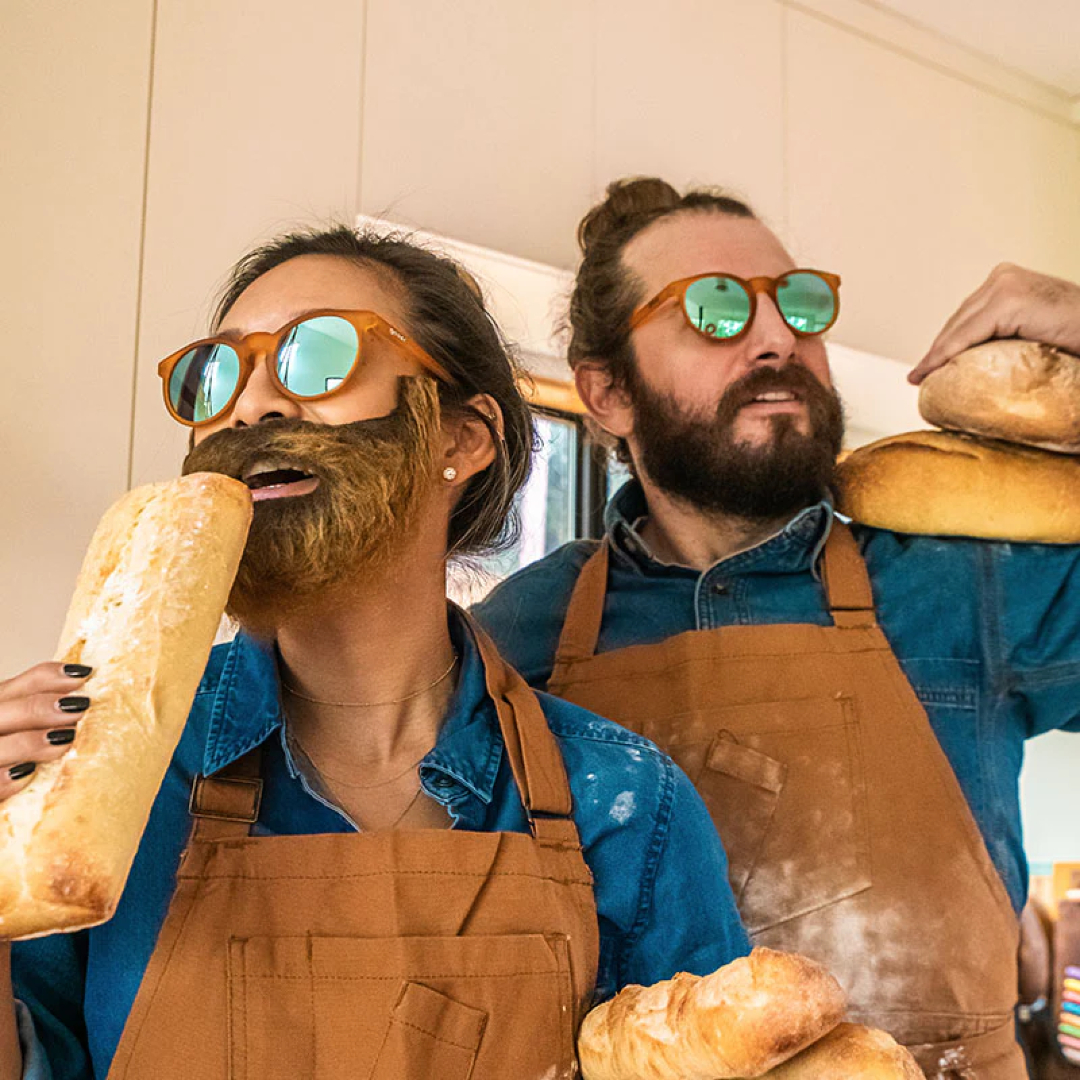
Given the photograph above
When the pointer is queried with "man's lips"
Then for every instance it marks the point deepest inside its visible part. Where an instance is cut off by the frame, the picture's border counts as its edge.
(775, 401)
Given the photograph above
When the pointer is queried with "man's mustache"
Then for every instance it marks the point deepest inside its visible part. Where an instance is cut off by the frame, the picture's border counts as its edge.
(791, 378)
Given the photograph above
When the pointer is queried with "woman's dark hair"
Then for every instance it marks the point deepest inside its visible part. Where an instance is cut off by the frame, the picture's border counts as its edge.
(446, 315)
(605, 290)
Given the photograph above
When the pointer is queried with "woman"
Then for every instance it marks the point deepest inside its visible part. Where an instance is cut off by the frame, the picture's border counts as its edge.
(445, 869)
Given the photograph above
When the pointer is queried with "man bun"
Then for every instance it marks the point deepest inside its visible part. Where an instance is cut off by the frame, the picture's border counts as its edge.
(624, 201)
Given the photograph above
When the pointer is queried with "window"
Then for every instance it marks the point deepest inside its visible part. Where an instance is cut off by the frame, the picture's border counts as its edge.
(561, 501)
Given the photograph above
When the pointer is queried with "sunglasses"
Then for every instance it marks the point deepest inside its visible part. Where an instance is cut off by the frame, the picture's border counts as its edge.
(309, 358)
(721, 307)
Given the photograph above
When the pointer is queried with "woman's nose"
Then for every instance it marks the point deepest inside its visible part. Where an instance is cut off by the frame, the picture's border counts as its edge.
(261, 399)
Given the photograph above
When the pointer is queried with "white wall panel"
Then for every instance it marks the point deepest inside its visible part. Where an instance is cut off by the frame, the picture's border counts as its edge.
(73, 82)
(1047, 793)
(912, 184)
(478, 121)
(255, 128)
(692, 91)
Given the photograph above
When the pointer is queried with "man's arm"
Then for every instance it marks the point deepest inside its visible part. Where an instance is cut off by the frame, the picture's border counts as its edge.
(1012, 302)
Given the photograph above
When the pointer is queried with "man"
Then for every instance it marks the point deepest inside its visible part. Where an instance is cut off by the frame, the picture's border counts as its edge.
(732, 619)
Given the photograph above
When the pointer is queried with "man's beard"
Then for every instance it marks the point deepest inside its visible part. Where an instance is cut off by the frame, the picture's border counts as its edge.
(701, 462)
(373, 477)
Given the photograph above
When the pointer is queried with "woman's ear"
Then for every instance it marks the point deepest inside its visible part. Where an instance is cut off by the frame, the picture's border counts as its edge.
(609, 404)
(469, 442)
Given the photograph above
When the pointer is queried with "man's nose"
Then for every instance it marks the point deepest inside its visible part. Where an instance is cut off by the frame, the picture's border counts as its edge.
(261, 399)
(772, 341)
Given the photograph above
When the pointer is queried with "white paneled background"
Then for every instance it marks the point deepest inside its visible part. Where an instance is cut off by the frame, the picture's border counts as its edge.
(148, 143)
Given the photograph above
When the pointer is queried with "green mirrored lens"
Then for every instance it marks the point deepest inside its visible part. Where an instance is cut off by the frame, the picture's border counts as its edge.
(806, 302)
(317, 355)
(203, 381)
(718, 306)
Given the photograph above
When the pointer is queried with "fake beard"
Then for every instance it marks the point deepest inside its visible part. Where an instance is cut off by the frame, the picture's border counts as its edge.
(701, 462)
(373, 477)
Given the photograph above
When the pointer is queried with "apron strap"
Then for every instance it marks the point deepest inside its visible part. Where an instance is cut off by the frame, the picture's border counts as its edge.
(847, 584)
(584, 613)
(534, 755)
(226, 804)
(847, 588)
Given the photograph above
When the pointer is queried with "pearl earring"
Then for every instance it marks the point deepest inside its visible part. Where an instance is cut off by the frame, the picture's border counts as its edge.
(449, 473)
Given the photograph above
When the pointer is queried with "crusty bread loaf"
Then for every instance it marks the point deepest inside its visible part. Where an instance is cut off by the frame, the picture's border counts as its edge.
(1019, 391)
(740, 1021)
(851, 1050)
(947, 484)
(146, 606)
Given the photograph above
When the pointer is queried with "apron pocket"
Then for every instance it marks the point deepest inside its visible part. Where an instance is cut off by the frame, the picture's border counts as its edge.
(784, 783)
(429, 1034)
(475, 1006)
(741, 788)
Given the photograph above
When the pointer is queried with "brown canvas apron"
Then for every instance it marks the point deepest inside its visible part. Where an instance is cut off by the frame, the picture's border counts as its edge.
(382, 956)
(847, 833)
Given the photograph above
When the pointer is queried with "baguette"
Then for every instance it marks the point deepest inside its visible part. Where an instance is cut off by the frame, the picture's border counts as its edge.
(145, 610)
(741, 1021)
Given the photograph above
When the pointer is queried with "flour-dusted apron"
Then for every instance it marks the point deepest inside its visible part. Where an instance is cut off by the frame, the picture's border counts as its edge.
(847, 833)
(441, 955)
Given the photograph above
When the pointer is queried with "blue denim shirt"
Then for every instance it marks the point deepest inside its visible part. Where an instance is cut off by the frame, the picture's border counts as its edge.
(987, 633)
(661, 888)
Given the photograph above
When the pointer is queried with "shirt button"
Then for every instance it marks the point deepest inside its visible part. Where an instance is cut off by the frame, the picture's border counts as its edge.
(442, 782)
(719, 588)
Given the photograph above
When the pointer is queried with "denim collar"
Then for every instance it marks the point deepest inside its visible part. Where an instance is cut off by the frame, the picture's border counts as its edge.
(796, 547)
(465, 760)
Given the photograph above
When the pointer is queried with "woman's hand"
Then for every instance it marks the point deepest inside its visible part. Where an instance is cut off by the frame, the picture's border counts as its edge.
(1012, 302)
(39, 712)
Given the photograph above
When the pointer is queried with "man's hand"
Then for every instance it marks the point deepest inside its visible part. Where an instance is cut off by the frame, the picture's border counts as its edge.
(1012, 302)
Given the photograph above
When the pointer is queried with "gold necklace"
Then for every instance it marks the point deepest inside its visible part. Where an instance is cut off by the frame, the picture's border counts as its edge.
(326, 777)
(401, 817)
(372, 704)
(340, 780)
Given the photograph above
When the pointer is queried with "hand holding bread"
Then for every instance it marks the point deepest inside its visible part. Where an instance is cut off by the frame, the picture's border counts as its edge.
(742, 1020)
(143, 617)
(39, 712)
(1012, 302)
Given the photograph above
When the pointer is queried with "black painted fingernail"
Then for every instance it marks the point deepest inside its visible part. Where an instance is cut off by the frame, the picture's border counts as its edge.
(77, 671)
(61, 736)
(18, 772)
(73, 704)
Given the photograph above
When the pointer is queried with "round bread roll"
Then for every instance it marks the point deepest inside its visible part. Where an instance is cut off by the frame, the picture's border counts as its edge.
(946, 484)
(851, 1050)
(1019, 391)
(740, 1021)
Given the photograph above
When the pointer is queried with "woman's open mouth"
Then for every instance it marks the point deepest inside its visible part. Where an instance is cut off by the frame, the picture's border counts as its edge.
(279, 482)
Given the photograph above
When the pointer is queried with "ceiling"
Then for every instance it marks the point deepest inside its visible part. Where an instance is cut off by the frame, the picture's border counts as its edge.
(1038, 37)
